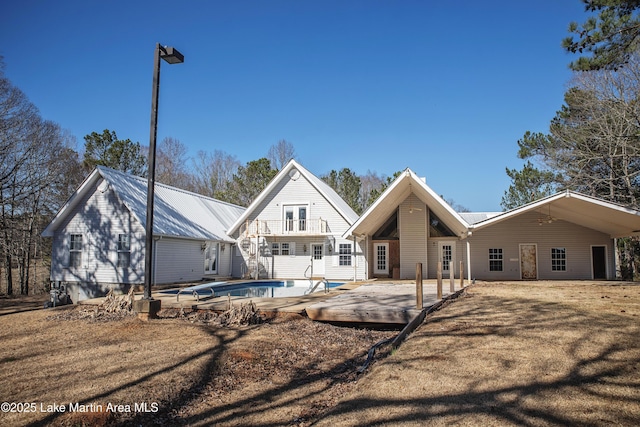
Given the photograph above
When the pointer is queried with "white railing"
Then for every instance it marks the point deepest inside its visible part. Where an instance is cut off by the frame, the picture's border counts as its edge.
(276, 227)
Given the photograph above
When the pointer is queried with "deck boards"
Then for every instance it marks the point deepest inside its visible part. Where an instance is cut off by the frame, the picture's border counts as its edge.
(375, 303)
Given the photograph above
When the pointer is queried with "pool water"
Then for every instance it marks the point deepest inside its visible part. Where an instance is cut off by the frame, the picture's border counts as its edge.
(254, 289)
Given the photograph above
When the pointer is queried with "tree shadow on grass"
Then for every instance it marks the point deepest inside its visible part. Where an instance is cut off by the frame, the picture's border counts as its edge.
(211, 354)
(601, 382)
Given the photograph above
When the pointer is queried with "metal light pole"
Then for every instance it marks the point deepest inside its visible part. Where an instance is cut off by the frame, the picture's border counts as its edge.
(172, 56)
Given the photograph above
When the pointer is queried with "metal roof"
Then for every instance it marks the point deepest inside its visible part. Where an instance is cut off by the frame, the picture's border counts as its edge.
(177, 212)
(475, 217)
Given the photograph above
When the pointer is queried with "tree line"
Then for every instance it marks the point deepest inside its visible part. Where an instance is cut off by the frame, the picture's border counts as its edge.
(593, 142)
(592, 146)
(40, 168)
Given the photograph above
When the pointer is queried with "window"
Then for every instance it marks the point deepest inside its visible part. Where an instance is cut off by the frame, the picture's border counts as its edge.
(558, 259)
(495, 259)
(295, 218)
(345, 253)
(275, 249)
(284, 248)
(437, 228)
(124, 251)
(75, 251)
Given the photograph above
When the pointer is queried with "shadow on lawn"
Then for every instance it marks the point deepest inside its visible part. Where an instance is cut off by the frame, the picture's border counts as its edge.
(601, 386)
(609, 374)
(212, 355)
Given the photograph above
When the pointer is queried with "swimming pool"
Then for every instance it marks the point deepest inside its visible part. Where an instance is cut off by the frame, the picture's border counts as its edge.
(252, 289)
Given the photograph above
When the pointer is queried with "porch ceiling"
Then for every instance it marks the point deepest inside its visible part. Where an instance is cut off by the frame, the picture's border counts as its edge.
(589, 212)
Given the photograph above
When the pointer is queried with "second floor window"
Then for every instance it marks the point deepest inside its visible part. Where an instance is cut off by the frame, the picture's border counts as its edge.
(295, 218)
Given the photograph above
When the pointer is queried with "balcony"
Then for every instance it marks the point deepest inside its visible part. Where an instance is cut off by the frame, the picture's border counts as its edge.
(296, 227)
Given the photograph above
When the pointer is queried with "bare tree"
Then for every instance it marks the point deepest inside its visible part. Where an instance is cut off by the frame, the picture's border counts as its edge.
(213, 172)
(171, 164)
(594, 140)
(32, 175)
(280, 153)
(369, 184)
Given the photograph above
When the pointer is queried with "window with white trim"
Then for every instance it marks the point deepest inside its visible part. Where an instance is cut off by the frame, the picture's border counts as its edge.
(275, 248)
(495, 259)
(558, 259)
(124, 251)
(284, 248)
(75, 251)
(344, 253)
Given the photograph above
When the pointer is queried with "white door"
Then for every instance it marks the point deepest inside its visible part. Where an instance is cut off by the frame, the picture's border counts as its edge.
(317, 259)
(447, 256)
(381, 252)
(211, 258)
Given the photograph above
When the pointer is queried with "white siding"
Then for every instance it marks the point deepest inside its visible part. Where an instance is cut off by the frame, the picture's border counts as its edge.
(524, 228)
(413, 237)
(294, 266)
(178, 260)
(99, 219)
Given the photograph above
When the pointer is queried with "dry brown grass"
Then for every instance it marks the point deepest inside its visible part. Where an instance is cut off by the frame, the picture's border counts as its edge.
(546, 353)
(282, 372)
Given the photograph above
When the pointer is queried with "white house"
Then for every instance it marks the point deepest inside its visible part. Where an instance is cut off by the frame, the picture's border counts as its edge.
(564, 236)
(99, 235)
(293, 230)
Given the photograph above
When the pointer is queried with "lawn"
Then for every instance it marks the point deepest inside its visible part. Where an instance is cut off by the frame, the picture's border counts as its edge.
(526, 353)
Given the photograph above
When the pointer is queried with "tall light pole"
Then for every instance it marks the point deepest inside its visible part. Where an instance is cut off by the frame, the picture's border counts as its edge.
(172, 56)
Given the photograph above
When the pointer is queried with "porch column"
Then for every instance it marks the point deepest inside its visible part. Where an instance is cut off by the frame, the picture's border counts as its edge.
(469, 261)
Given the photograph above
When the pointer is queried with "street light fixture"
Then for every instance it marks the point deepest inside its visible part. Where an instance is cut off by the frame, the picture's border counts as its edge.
(171, 56)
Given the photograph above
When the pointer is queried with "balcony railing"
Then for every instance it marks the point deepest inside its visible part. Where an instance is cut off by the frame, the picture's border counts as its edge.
(285, 227)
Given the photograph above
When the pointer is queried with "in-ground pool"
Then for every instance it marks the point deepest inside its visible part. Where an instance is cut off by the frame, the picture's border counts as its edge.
(253, 289)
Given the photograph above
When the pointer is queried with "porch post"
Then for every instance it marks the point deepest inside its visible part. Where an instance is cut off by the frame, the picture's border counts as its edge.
(469, 261)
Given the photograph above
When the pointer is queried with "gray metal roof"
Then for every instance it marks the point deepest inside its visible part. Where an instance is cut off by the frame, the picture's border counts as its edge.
(474, 217)
(177, 213)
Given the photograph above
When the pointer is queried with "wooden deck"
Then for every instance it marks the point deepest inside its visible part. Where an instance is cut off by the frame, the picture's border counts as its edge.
(373, 302)
(393, 303)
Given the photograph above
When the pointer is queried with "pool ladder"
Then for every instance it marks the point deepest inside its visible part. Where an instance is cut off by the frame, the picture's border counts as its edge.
(320, 280)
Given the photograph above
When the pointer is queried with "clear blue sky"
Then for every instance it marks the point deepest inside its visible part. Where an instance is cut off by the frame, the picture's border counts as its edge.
(443, 87)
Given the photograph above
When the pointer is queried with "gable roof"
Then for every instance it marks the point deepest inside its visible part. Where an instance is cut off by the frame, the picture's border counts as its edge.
(322, 187)
(586, 211)
(405, 184)
(177, 213)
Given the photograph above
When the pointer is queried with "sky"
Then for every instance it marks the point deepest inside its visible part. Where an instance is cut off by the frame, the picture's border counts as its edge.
(445, 88)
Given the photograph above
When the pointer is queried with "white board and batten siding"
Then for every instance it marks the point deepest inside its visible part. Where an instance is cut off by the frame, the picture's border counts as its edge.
(525, 229)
